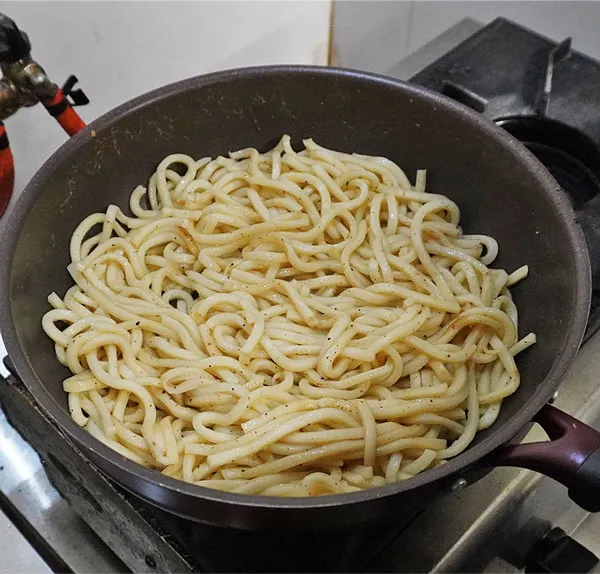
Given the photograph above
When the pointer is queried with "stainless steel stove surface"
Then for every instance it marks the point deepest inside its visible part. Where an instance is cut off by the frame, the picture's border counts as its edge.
(510, 521)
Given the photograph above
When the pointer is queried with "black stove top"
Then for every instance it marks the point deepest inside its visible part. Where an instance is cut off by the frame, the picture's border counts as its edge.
(548, 97)
(503, 67)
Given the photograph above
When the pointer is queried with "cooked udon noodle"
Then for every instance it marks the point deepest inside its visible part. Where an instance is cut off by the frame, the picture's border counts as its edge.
(286, 323)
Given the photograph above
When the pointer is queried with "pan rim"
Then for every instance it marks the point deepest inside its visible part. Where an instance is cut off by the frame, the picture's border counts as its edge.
(455, 465)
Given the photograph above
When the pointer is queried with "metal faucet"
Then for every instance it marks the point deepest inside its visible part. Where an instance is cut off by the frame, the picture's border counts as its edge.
(24, 83)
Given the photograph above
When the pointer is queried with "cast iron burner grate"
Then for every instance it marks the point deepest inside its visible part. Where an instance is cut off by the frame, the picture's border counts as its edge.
(548, 97)
(568, 154)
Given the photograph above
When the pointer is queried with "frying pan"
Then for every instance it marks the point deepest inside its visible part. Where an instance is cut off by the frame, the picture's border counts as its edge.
(499, 185)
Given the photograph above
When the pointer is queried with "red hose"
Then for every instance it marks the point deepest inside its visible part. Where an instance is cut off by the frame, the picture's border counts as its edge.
(59, 108)
(7, 170)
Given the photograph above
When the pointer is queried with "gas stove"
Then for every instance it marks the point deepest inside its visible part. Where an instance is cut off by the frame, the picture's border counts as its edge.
(510, 521)
(547, 96)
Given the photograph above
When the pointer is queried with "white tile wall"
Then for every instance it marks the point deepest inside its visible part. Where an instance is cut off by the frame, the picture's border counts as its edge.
(374, 35)
(122, 49)
(369, 35)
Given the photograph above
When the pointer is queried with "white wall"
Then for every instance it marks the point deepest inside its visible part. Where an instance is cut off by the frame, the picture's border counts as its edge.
(122, 49)
(375, 35)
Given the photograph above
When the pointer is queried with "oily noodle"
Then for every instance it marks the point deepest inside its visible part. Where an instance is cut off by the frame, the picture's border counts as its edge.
(287, 323)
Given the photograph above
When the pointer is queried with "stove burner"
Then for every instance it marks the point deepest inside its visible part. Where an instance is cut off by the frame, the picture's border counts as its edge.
(568, 154)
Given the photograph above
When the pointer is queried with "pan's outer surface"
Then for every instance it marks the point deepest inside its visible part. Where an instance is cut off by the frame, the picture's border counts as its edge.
(500, 187)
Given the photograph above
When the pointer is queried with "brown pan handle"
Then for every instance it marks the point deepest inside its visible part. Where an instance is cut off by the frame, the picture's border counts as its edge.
(571, 456)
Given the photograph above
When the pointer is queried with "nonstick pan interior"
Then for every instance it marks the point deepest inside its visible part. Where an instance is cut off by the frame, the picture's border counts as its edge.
(500, 187)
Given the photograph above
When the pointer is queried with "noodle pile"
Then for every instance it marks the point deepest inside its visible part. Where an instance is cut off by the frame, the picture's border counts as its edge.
(287, 324)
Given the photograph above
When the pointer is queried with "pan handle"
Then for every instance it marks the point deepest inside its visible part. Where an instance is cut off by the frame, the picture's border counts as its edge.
(571, 456)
